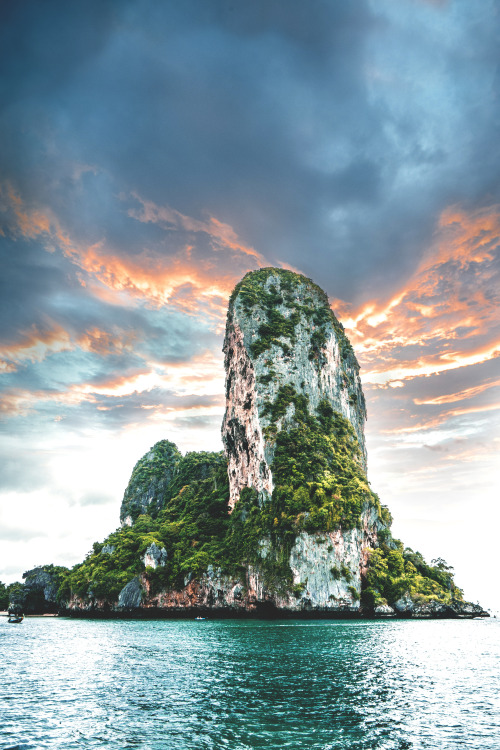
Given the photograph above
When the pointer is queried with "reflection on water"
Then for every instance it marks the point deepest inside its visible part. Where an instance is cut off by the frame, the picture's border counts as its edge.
(238, 685)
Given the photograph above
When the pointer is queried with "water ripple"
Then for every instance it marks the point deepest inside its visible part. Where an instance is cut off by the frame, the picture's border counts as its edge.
(243, 685)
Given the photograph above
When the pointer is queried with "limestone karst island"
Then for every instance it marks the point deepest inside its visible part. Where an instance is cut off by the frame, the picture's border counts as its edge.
(284, 522)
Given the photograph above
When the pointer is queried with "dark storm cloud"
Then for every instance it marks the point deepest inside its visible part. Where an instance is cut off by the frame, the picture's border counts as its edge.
(200, 105)
(329, 135)
(28, 282)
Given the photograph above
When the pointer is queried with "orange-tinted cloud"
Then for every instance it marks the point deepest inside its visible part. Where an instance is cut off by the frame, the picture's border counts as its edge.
(150, 276)
(16, 402)
(31, 221)
(33, 345)
(222, 235)
(446, 316)
(432, 422)
(106, 342)
(36, 343)
(443, 318)
(451, 398)
(466, 237)
(443, 326)
(199, 378)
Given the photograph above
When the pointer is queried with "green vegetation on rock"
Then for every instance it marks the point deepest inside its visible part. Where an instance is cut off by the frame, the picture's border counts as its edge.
(321, 453)
(395, 571)
(4, 596)
(39, 592)
(150, 478)
(191, 527)
(254, 295)
(196, 530)
(319, 482)
(320, 486)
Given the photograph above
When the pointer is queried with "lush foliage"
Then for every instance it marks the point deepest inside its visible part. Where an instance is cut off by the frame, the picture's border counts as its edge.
(395, 571)
(319, 482)
(181, 503)
(29, 596)
(301, 298)
(191, 527)
(151, 476)
(196, 530)
(319, 486)
(4, 596)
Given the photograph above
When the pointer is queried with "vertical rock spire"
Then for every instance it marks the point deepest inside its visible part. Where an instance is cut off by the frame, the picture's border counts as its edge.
(284, 351)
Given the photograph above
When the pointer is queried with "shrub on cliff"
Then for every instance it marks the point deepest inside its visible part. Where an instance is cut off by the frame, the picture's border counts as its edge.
(4, 596)
(319, 482)
(392, 573)
(191, 527)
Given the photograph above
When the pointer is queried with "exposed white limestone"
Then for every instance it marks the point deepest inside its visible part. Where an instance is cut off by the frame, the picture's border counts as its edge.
(131, 595)
(253, 381)
(326, 567)
(242, 428)
(155, 556)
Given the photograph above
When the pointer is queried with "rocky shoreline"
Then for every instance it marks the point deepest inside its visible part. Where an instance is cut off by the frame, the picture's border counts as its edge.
(435, 611)
(222, 597)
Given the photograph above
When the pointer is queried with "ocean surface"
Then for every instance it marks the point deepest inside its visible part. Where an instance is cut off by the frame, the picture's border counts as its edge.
(250, 684)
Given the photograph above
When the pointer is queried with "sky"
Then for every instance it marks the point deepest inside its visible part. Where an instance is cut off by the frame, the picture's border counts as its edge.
(153, 153)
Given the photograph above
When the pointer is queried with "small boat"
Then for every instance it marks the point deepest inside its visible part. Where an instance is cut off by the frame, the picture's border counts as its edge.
(200, 618)
(15, 617)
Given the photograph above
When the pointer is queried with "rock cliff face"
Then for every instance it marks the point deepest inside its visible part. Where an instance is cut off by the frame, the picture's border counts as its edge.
(38, 594)
(219, 594)
(289, 368)
(150, 478)
(281, 333)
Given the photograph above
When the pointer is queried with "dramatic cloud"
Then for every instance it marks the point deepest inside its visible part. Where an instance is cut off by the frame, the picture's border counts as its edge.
(447, 314)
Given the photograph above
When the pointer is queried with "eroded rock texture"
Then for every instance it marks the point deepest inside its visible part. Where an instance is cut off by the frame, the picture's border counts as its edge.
(280, 333)
(292, 383)
(150, 478)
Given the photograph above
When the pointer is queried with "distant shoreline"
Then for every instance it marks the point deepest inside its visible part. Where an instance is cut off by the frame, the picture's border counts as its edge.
(222, 618)
(5, 613)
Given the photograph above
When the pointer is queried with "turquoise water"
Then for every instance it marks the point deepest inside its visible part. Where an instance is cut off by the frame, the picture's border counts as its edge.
(231, 684)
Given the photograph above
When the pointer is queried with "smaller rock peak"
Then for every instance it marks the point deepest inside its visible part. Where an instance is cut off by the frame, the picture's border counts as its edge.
(150, 478)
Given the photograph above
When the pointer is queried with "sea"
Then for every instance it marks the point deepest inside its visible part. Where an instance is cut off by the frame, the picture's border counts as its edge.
(241, 684)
